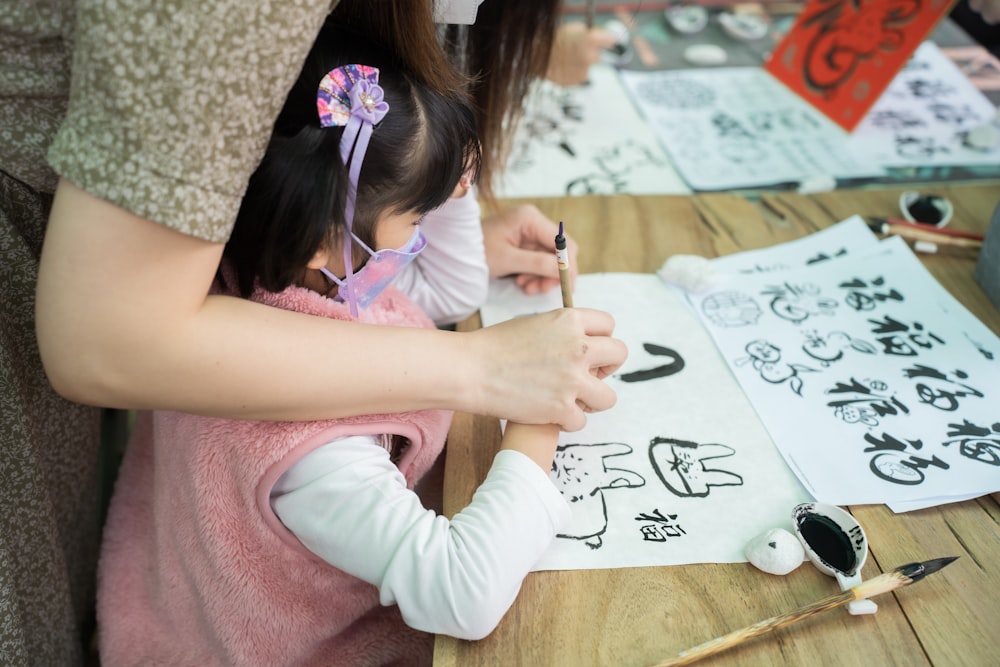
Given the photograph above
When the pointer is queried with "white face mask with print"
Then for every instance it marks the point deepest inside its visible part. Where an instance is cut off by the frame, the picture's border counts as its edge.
(456, 11)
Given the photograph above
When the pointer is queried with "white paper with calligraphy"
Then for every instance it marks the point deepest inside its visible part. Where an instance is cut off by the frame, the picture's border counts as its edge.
(875, 383)
(735, 127)
(924, 115)
(681, 470)
(586, 140)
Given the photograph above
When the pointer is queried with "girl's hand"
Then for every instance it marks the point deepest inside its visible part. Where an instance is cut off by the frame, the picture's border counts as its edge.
(536, 441)
(520, 242)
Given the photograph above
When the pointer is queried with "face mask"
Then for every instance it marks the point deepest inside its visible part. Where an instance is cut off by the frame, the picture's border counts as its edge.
(456, 11)
(381, 269)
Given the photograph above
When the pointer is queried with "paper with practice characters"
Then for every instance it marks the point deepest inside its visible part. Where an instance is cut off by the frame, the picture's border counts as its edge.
(586, 140)
(681, 470)
(874, 382)
(924, 115)
(739, 127)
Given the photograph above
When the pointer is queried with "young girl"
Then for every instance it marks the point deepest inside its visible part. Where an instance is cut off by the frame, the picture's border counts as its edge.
(264, 543)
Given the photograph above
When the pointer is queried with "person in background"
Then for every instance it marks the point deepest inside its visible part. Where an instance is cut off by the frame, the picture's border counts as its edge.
(131, 132)
(268, 543)
(981, 20)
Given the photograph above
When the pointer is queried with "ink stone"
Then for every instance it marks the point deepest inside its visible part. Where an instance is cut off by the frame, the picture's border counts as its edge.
(829, 542)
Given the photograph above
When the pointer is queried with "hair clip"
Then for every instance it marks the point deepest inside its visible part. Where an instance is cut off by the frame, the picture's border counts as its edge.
(350, 97)
(350, 90)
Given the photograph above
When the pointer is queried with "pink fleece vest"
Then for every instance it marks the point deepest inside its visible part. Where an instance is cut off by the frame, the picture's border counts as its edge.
(195, 568)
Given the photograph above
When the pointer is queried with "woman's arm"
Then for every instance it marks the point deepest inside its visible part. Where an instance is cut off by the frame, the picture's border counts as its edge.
(124, 320)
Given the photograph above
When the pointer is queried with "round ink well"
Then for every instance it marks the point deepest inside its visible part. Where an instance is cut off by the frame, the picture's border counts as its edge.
(836, 544)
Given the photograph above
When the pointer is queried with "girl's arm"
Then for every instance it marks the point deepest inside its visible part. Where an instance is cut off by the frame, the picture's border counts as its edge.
(449, 279)
(348, 504)
(124, 320)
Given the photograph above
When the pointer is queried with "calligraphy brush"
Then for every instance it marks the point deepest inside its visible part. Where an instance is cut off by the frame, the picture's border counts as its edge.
(890, 225)
(562, 258)
(901, 576)
(591, 10)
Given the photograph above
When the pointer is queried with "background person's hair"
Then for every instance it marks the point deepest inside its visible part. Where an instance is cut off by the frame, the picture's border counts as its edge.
(505, 50)
(294, 204)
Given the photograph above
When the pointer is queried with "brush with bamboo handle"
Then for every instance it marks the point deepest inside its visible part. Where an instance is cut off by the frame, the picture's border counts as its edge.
(901, 576)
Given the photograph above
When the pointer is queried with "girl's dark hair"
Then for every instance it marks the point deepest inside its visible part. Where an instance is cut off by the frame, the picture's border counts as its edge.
(295, 200)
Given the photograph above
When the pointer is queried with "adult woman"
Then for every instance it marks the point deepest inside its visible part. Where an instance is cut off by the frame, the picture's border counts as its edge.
(168, 112)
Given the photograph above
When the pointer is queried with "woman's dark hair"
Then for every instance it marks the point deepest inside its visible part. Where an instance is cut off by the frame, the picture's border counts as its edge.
(295, 200)
(507, 48)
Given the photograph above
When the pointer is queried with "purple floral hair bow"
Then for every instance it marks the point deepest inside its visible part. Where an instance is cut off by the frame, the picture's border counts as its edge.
(347, 91)
(350, 97)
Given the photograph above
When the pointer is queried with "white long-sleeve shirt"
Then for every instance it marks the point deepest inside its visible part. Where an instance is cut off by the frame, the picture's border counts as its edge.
(449, 278)
(348, 504)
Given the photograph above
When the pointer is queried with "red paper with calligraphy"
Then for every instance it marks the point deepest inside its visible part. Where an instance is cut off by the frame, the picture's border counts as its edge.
(841, 54)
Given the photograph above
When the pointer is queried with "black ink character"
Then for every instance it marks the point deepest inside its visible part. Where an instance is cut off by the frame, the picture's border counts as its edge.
(929, 89)
(614, 166)
(976, 442)
(675, 365)
(864, 402)
(681, 466)
(893, 464)
(912, 147)
(659, 528)
(582, 473)
(797, 303)
(940, 391)
(863, 295)
(765, 358)
(983, 350)
(730, 309)
(831, 347)
(896, 119)
(954, 115)
(783, 120)
(902, 339)
(824, 256)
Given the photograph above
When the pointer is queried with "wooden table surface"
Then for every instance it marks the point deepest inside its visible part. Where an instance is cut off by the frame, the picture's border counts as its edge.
(639, 616)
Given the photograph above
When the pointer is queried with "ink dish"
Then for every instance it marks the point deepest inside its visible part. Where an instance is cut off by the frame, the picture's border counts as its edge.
(836, 544)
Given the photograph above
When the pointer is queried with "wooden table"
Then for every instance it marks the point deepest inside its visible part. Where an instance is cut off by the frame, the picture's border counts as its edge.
(638, 616)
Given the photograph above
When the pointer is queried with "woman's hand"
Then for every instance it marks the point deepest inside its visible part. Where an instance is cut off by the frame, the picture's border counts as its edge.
(574, 50)
(988, 9)
(546, 368)
(520, 242)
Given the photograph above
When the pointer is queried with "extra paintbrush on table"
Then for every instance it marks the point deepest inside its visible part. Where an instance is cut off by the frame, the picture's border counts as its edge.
(901, 576)
(927, 238)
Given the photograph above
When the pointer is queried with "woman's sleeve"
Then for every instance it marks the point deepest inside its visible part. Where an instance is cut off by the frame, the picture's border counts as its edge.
(171, 104)
(449, 279)
(349, 505)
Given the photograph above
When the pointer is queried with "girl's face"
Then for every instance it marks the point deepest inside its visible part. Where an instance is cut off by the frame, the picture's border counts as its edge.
(393, 230)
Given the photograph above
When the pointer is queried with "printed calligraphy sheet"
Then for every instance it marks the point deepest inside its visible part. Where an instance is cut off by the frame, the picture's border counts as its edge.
(925, 115)
(739, 127)
(876, 385)
(681, 470)
(586, 140)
